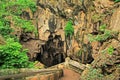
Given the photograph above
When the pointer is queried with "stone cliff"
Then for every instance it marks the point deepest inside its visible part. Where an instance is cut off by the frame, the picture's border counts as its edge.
(49, 46)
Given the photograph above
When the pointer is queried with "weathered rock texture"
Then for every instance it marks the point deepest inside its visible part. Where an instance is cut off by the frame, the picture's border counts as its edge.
(50, 20)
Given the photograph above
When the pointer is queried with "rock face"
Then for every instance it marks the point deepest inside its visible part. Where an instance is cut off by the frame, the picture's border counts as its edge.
(52, 52)
(115, 21)
(50, 20)
(33, 47)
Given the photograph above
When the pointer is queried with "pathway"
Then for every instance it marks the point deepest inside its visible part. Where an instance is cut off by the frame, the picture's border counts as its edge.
(70, 75)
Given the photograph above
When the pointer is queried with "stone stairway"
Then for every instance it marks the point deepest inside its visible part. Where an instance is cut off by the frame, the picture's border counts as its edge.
(28, 74)
(52, 73)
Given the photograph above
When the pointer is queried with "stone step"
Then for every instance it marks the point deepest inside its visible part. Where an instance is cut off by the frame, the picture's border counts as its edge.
(47, 76)
(52, 73)
(42, 74)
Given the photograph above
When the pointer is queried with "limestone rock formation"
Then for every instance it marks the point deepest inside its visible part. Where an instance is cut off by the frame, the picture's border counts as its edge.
(50, 20)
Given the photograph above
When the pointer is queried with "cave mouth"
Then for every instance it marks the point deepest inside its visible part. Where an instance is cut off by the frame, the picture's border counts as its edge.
(52, 52)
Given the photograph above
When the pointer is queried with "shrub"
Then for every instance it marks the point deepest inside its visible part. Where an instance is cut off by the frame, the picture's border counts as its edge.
(17, 6)
(13, 56)
(13, 9)
(4, 27)
(11, 53)
(26, 25)
(69, 30)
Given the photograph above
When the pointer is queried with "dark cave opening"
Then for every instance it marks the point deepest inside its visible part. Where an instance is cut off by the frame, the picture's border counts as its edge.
(52, 52)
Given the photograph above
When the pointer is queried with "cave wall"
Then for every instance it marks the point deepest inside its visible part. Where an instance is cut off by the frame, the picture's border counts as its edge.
(52, 15)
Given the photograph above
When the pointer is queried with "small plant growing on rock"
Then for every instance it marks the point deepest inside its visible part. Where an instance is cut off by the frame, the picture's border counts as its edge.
(69, 30)
(106, 34)
(110, 50)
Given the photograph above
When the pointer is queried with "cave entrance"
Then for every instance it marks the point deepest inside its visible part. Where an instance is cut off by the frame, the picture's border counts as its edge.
(52, 52)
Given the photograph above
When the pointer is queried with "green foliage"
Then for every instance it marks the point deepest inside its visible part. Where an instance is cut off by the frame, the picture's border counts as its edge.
(93, 74)
(102, 27)
(101, 37)
(26, 25)
(17, 6)
(116, 0)
(13, 9)
(12, 55)
(4, 27)
(69, 30)
(110, 50)
(27, 4)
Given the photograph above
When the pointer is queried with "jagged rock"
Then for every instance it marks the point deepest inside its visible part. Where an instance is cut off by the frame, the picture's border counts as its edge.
(95, 46)
(43, 26)
(52, 52)
(115, 21)
(61, 33)
(24, 37)
(33, 47)
(103, 59)
(102, 5)
(27, 14)
(52, 16)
